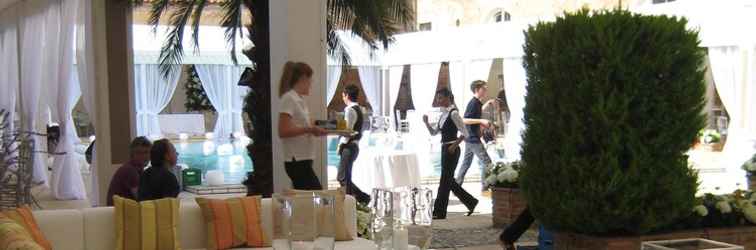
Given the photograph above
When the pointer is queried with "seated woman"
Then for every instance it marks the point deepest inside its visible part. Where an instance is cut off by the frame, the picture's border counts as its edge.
(158, 182)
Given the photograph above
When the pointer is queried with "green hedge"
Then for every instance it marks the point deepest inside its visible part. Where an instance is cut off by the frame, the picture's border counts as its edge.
(614, 101)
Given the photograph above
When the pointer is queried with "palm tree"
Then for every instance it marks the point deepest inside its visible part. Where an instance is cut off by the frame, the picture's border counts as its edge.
(374, 21)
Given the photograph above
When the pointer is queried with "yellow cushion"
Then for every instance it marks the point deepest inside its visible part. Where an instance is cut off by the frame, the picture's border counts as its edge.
(13, 236)
(147, 225)
(233, 222)
(23, 216)
(340, 227)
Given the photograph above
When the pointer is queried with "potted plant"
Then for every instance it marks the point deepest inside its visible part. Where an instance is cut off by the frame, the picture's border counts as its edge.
(750, 167)
(711, 139)
(502, 178)
(611, 110)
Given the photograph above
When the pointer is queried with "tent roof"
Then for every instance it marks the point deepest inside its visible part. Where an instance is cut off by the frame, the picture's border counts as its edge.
(212, 46)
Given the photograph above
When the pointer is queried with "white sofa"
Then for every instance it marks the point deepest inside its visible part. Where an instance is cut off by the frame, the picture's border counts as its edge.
(94, 229)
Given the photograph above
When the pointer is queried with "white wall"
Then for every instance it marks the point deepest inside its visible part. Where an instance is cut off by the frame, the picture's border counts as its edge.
(297, 33)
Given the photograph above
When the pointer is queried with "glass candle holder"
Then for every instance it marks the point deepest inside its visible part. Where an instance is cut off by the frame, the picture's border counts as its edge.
(303, 221)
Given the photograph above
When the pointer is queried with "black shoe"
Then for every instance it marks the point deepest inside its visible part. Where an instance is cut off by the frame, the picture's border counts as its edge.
(439, 217)
(472, 210)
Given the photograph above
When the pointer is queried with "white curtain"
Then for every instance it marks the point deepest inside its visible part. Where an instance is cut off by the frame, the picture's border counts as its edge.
(457, 84)
(476, 70)
(9, 62)
(332, 82)
(423, 79)
(152, 92)
(220, 83)
(67, 183)
(32, 34)
(733, 71)
(86, 69)
(370, 76)
(515, 83)
(395, 80)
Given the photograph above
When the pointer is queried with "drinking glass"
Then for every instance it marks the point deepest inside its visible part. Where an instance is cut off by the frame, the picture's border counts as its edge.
(382, 218)
(303, 221)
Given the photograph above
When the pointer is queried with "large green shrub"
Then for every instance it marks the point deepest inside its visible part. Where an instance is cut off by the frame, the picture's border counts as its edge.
(614, 101)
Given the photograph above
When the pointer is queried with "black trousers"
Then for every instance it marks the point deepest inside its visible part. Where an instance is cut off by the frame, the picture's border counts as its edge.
(302, 176)
(447, 184)
(513, 232)
(349, 153)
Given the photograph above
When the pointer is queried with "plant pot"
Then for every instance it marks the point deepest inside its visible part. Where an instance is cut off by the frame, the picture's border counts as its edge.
(508, 203)
(751, 181)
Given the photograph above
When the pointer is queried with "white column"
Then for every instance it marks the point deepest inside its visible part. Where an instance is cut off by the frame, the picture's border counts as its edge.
(297, 33)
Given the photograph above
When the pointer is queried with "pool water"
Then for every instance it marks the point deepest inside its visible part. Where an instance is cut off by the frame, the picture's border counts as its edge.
(230, 158)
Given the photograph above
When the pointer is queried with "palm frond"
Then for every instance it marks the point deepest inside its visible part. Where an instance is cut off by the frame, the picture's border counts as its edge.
(157, 9)
(232, 22)
(172, 51)
(196, 18)
(375, 22)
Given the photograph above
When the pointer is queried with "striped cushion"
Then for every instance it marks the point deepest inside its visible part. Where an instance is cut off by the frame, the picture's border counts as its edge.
(13, 236)
(23, 216)
(147, 225)
(233, 222)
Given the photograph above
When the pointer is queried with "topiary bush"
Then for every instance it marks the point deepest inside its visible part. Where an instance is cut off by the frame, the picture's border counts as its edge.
(614, 100)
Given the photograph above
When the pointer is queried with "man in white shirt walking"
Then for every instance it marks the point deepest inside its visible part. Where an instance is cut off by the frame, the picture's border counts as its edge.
(349, 147)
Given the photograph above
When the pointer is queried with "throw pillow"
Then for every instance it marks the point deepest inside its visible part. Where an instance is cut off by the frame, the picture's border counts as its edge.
(23, 216)
(146, 225)
(340, 226)
(234, 222)
(13, 236)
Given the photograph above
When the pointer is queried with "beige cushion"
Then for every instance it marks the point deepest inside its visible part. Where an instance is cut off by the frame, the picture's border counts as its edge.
(99, 228)
(63, 228)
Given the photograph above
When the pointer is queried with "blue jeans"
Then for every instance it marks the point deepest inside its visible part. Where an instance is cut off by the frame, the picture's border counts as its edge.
(474, 149)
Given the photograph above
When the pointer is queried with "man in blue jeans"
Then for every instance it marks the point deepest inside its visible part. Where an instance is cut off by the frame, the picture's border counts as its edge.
(473, 123)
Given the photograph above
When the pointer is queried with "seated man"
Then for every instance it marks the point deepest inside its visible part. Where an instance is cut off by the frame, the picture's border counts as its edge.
(125, 181)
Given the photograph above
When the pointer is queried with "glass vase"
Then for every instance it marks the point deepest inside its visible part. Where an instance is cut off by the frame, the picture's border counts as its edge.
(304, 221)
(402, 218)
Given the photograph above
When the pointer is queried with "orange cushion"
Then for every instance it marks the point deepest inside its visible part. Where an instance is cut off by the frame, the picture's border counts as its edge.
(233, 222)
(14, 236)
(23, 216)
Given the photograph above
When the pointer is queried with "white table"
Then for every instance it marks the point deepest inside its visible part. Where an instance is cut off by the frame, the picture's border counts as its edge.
(174, 124)
(385, 170)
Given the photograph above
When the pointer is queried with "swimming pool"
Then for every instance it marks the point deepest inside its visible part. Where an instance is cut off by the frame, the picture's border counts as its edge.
(232, 158)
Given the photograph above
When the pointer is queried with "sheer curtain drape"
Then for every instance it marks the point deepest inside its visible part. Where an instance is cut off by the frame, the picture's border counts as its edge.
(332, 83)
(220, 83)
(515, 83)
(9, 61)
(67, 182)
(85, 68)
(733, 71)
(457, 83)
(370, 76)
(32, 35)
(423, 79)
(152, 93)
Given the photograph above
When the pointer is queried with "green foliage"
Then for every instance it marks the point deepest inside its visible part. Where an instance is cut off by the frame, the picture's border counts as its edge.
(614, 101)
(196, 97)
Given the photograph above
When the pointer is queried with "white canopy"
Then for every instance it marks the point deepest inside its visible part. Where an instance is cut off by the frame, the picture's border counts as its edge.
(212, 47)
(721, 23)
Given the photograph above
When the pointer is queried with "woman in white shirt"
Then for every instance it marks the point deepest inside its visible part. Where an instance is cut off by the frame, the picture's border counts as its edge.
(448, 125)
(295, 128)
